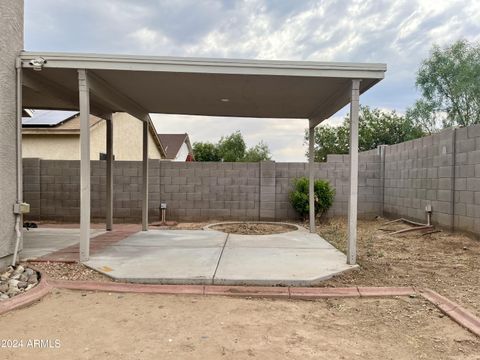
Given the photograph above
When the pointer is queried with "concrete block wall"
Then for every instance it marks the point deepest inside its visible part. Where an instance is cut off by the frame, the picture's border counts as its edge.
(467, 179)
(336, 171)
(267, 190)
(31, 186)
(209, 190)
(193, 191)
(442, 170)
(418, 173)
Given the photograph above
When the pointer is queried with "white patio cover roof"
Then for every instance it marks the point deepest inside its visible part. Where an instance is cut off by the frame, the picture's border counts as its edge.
(102, 84)
(195, 86)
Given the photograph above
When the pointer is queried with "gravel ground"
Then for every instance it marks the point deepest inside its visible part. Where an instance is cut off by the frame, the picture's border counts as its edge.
(67, 271)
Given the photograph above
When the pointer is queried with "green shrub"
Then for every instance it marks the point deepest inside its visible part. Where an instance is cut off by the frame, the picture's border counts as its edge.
(323, 197)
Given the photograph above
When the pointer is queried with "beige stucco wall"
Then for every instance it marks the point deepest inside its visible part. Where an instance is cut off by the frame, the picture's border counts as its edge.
(127, 139)
(51, 147)
(127, 142)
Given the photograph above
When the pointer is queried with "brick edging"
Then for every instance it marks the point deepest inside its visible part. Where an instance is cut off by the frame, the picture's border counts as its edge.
(27, 298)
(447, 306)
(456, 312)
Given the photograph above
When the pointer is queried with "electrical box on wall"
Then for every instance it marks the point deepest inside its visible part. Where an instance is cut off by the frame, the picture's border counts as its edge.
(21, 208)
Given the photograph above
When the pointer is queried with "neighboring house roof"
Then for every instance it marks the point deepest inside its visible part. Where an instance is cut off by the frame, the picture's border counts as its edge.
(65, 122)
(54, 122)
(172, 144)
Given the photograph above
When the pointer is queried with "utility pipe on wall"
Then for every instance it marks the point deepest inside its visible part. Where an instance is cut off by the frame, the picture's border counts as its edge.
(18, 215)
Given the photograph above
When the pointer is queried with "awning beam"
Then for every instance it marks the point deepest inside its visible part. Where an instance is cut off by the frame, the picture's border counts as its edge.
(65, 95)
(115, 99)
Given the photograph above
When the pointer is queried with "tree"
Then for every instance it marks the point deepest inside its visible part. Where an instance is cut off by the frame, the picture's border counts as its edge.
(329, 140)
(375, 127)
(231, 148)
(206, 152)
(257, 153)
(425, 116)
(449, 81)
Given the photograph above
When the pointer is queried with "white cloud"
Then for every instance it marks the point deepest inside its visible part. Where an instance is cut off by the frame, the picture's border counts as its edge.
(399, 33)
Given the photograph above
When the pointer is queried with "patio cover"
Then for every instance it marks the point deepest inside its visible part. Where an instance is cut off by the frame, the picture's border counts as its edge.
(139, 85)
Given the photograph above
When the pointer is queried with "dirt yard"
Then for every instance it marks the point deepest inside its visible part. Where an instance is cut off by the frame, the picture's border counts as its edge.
(133, 326)
(447, 263)
(245, 228)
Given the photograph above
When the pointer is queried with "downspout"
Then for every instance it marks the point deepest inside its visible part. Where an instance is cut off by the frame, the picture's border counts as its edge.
(17, 211)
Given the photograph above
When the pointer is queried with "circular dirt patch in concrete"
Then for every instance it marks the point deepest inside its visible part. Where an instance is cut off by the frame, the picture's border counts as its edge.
(252, 228)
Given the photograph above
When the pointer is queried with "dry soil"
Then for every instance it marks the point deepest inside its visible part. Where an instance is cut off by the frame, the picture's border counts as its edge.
(134, 326)
(246, 228)
(445, 262)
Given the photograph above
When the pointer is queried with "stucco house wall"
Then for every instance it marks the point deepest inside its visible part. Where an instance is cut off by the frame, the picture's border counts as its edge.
(51, 146)
(11, 43)
(127, 142)
(127, 139)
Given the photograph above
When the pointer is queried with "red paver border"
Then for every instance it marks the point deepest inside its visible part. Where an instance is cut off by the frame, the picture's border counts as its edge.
(248, 291)
(27, 298)
(447, 306)
(70, 254)
(453, 310)
(127, 287)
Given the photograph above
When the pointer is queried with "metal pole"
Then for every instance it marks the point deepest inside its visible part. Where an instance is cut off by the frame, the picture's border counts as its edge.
(84, 100)
(311, 177)
(109, 182)
(353, 197)
(145, 178)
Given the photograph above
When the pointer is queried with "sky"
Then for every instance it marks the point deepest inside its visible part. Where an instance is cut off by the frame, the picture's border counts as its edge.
(399, 33)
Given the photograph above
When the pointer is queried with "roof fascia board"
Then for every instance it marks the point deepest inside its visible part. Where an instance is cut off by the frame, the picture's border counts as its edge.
(210, 66)
(156, 139)
(37, 131)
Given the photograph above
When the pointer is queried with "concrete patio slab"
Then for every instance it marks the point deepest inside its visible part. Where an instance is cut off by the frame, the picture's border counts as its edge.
(158, 265)
(162, 256)
(175, 238)
(278, 266)
(213, 257)
(42, 241)
(290, 240)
